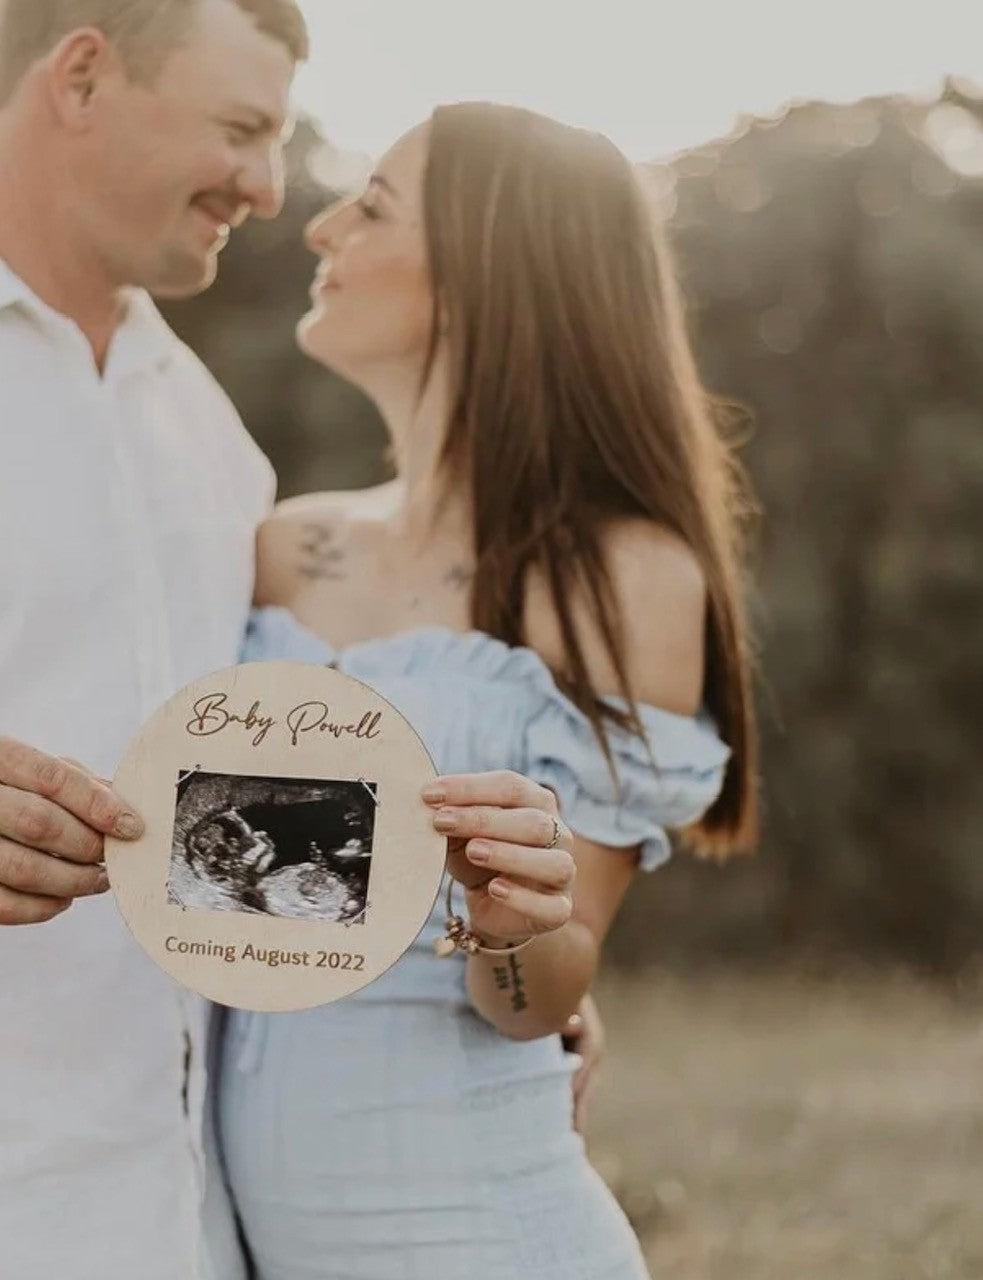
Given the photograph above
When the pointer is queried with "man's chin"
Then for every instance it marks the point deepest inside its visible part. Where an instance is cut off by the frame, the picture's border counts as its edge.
(184, 277)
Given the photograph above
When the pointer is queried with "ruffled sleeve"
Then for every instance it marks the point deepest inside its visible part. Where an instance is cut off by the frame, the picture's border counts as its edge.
(562, 752)
(460, 680)
(276, 634)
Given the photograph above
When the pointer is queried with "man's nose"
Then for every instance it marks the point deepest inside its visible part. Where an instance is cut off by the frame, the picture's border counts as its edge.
(262, 184)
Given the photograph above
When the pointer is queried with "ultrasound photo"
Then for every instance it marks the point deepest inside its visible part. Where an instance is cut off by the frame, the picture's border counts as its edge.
(273, 846)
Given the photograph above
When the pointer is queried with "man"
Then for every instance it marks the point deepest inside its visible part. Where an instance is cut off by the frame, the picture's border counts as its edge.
(134, 134)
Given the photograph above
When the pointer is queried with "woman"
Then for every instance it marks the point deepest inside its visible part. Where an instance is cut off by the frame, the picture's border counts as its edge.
(551, 587)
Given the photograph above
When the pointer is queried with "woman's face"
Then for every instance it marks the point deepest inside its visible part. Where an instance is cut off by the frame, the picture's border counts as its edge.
(373, 304)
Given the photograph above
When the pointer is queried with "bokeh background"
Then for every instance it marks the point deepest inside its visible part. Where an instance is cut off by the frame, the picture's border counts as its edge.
(794, 1085)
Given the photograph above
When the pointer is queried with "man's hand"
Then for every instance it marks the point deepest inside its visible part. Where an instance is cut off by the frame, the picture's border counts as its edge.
(53, 816)
(584, 1035)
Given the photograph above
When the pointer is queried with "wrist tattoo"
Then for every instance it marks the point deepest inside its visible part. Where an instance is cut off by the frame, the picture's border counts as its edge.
(322, 559)
(508, 977)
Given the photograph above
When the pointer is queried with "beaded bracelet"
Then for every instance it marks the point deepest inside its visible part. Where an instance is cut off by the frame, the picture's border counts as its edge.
(459, 937)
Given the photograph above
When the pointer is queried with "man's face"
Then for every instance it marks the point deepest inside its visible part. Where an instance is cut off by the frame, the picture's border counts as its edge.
(169, 168)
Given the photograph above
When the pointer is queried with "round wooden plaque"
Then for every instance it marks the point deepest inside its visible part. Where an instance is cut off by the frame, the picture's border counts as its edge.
(289, 859)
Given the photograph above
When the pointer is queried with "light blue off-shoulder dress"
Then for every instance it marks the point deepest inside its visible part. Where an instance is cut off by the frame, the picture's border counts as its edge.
(395, 1135)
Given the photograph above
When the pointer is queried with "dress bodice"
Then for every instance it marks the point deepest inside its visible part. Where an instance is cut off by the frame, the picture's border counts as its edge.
(479, 704)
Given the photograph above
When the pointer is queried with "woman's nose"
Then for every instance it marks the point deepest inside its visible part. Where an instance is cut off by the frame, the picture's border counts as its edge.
(323, 233)
(314, 233)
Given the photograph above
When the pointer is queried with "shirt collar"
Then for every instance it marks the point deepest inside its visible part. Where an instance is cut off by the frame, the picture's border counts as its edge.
(12, 288)
(143, 339)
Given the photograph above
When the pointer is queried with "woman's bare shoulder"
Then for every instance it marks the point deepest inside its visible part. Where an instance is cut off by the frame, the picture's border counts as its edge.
(662, 591)
(305, 538)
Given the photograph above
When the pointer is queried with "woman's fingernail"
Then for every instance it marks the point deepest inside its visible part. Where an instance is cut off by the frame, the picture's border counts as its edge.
(102, 881)
(434, 793)
(446, 820)
(499, 889)
(479, 852)
(128, 826)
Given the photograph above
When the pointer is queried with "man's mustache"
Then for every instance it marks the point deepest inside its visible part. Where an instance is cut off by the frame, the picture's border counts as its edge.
(225, 206)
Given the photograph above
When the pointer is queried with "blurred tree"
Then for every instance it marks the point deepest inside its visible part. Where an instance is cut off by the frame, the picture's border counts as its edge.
(833, 262)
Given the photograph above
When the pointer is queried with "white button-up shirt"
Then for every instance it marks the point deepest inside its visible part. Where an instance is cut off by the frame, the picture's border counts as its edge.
(128, 507)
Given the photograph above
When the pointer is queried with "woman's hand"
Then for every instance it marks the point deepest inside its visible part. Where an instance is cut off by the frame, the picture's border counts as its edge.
(508, 847)
(584, 1034)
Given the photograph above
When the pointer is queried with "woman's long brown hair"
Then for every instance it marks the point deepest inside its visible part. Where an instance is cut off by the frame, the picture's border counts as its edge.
(575, 402)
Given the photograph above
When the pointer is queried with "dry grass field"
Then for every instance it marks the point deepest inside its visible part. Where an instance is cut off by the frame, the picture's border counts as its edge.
(781, 1129)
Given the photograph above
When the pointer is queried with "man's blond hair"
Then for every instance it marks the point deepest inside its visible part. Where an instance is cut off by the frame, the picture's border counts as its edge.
(144, 31)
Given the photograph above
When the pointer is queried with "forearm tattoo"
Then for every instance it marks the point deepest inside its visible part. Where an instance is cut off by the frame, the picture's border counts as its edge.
(508, 977)
(322, 560)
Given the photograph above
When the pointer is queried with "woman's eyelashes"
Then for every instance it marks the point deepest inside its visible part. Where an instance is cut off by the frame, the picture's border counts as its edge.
(369, 208)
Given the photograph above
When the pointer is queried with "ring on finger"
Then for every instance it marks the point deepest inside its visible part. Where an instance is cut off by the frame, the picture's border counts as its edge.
(559, 831)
